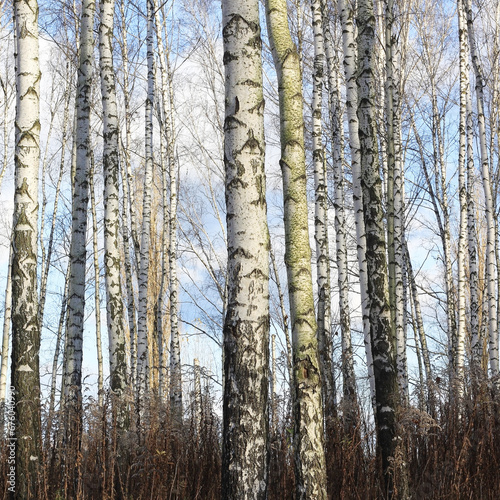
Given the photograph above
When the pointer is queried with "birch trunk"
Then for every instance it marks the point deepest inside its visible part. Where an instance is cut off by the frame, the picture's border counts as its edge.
(395, 215)
(73, 354)
(25, 326)
(169, 132)
(462, 193)
(350, 49)
(55, 360)
(380, 320)
(245, 458)
(142, 317)
(97, 286)
(115, 316)
(7, 315)
(310, 468)
(321, 221)
(489, 207)
(336, 119)
(476, 344)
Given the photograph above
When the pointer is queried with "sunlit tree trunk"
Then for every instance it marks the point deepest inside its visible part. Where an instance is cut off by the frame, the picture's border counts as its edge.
(115, 315)
(350, 55)
(395, 215)
(491, 283)
(336, 120)
(7, 314)
(246, 326)
(142, 317)
(168, 130)
(321, 220)
(97, 287)
(25, 326)
(462, 194)
(310, 468)
(380, 320)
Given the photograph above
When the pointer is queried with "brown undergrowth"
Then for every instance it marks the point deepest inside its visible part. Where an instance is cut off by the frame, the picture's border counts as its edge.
(455, 455)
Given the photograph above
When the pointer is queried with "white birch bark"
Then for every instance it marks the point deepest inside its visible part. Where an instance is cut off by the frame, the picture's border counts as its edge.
(115, 315)
(476, 344)
(97, 287)
(462, 193)
(25, 326)
(490, 277)
(246, 325)
(5, 336)
(336, 120)
(350, 49)
(395, 215)
(73, 354)
(168, 129)
(321, 220)
(310, 468)
(142, 317)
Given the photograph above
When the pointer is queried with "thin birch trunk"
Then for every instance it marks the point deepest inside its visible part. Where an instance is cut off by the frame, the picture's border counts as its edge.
(310, 467)
(380, 320)
(245, 457)
(115, 315)
(55, 360)
(162, 376)
(7, 315)
(491, 283)
(336, 120)
(284, 317)
(169, 131)
(462, 193)
(419, 324)
(350, 50)
(25, 326)
(50, 247)
(321, 222)
(395, 210)
(97, 285)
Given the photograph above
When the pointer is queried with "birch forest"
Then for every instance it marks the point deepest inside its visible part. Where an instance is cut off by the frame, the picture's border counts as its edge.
(249, 252)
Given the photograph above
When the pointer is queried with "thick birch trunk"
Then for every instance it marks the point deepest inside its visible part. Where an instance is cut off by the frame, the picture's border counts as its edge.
(245, 456)
(310, 468)
(142, 317)
(380, 320)
(25, 326)
(115, 316)
(73, 354)
(350, 49)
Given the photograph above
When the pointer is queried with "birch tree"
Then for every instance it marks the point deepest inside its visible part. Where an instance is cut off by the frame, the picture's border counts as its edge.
(246, 325)
(25, 326)
(321, 219)
(491, 283)
(115, 315)
(310, 467)
(380, 320)
(350, 62)
(142, 319)
(336, 119)
(73, 353)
